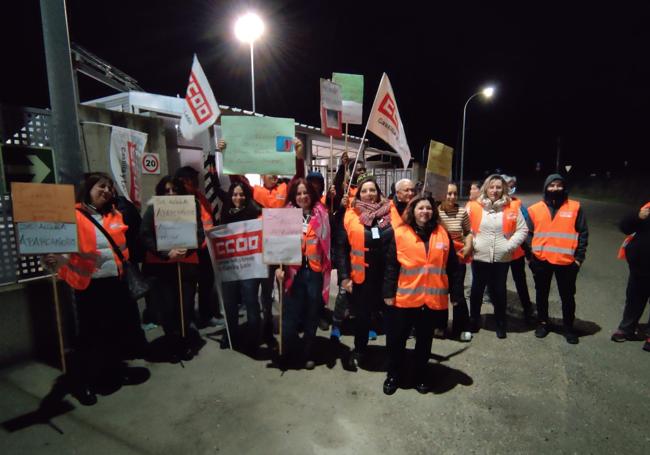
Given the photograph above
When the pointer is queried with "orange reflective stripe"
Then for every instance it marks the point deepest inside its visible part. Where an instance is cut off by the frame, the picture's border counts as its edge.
(356, 237)
(310, 249)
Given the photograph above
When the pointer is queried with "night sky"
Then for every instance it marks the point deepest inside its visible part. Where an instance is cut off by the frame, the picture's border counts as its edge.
(582, 74)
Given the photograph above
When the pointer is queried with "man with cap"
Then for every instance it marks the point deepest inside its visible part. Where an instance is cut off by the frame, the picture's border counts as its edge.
(558, 237)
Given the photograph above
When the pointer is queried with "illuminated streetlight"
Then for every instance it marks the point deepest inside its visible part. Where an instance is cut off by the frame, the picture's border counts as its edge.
(248, 29)
(487, 93)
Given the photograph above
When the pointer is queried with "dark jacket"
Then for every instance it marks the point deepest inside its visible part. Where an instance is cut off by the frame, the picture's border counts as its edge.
(637, 251)
(553, 206)
(392, 264)
(148, 232)
(132, 219)
(378, 250)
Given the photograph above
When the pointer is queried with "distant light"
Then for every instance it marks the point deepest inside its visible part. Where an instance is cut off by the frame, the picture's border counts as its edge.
(488, 92)
(249, 28)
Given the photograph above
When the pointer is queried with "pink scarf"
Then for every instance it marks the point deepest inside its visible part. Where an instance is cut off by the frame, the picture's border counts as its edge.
(368, 211)
(320, 223)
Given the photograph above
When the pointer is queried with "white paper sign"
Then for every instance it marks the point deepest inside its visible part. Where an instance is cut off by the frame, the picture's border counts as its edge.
(236, 250)
(175, 220)
(282, 236)
(43, 238)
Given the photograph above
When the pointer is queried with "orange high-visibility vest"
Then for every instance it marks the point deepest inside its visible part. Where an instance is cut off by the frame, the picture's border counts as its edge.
(555, 240)
(510, 214)
(271, 199)
(628, 239)
(423, 276)
(357, 239)
(81, 266)
(519, 252)
(310, 249)
(395, 217)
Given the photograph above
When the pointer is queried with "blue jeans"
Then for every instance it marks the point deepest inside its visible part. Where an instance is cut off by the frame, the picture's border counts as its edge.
(301, 307)
(244, 292)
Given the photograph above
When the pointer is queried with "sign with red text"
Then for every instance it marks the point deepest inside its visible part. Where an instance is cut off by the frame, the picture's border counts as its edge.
(200, 110)
(282, 236)
(151, 163)
(236, 250)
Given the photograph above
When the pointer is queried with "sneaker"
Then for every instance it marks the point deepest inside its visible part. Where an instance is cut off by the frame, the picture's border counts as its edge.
(571, 337)
(310, 365)
(646, 345)
(323, 324)
(465, 336)
(619, 336)
(541, 331)
(422, 387)
(372, 335)
(335, 334)
(501, 334)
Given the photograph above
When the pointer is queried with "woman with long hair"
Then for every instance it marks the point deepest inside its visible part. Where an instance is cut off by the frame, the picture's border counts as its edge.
(363, 243)
(498, 229)
(421, 267)
(303, 284)
(108, 319)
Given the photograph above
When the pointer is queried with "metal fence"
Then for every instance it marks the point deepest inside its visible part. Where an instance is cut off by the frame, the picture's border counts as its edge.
(19, 126)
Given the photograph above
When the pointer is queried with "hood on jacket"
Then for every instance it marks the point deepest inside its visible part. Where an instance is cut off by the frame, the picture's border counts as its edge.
(550, 198)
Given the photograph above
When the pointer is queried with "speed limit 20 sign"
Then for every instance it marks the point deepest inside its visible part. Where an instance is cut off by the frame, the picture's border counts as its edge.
(151, 163)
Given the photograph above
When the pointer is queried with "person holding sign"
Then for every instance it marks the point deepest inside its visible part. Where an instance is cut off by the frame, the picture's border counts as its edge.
(420, 268)
(363, 243)
(303, 284)
(498, 229)
(162, 267)
(108, 319)
(238, 205)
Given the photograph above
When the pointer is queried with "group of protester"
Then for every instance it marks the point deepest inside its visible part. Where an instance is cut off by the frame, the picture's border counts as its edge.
(401, 259)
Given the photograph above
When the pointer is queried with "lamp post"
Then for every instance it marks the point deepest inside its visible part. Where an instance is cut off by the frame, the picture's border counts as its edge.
(248, 29)
(487, 93)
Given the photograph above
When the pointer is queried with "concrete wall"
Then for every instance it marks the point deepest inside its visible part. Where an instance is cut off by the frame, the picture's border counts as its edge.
(97, 139)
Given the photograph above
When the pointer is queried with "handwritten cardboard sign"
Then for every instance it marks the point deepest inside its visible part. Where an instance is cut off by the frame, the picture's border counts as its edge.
(43, 202)
(282, 234)
(175, 221)
(44, 216)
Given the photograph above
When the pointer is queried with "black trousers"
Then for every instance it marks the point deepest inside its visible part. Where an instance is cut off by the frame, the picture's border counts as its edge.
(518, 268)
(208, 307)
(636, 298)
(108, 330)
(399, 322)
(165, 296)
(565, 276)
(365, 298)
(492, 275)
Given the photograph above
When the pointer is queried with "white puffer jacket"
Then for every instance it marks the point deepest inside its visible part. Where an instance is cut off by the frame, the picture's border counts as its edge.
(490, 244)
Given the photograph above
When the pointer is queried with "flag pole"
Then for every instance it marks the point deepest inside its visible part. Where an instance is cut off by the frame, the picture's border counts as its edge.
(280, 301)
(59, 328)
(426, 174)
(180, 299)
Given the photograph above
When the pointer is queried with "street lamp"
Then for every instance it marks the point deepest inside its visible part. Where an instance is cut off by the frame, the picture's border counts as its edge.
(249, 28)
(487, 93)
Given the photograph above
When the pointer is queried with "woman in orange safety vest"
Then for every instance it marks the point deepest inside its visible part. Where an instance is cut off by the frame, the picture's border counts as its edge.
(162, 268)
(498, 229)
(363, 241)
(424, 263)
(303, 284)
(108, 319)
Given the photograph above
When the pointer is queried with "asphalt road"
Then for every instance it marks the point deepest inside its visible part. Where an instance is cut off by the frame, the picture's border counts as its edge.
(519, 395)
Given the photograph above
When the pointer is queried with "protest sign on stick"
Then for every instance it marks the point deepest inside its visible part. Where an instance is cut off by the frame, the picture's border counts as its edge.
(258, 145)
(45, 221)
(352, 96)
(438, 171)
(175, 220)
(282, 236)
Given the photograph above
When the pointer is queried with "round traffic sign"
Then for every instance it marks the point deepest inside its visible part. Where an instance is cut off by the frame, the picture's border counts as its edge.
(150, 163)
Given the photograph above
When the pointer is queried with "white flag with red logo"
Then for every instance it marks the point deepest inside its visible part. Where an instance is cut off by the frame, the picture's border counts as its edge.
(385, 121)
(125, 156)
(201, 109)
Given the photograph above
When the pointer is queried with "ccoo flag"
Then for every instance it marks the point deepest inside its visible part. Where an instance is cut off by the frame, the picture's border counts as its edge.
(385, 121)
(201, 109)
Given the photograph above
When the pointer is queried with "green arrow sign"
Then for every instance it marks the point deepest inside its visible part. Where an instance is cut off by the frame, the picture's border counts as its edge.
(22, 163)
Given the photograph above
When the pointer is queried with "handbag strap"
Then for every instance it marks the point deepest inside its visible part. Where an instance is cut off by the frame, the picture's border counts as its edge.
(116, 249)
